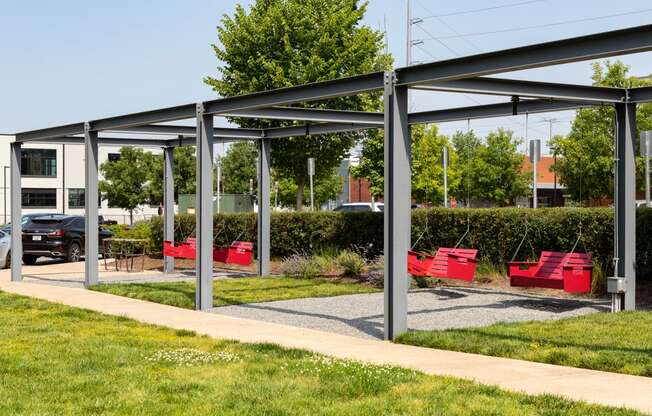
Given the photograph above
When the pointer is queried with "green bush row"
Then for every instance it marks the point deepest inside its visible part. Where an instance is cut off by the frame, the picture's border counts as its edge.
(496, 233)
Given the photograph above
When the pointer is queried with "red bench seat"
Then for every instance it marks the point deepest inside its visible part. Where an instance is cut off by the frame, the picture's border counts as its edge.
(554, 270)
(448, 263)
(239, 252)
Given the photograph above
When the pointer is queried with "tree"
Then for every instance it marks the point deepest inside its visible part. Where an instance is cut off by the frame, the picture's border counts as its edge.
(585, 157)
(281, 43)
(325, 189)
(427, 165)
(124, 180)
(466, 147)
(185, 171)
(372, 163)
(239, 167)
(496, 172)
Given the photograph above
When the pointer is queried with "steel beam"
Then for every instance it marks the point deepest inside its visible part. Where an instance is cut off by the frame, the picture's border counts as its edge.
(68, 130)
(494, 110)
(511, 87)
(146, 117)
(640, 95)
(219, 132)
(168, 204)
(302, 93)
(625, 201)
(311, 114)
(316, 129)
(16, 215)
(204, 210)
(595, 46)
(264, 233)
(91, 195)
(397, 207)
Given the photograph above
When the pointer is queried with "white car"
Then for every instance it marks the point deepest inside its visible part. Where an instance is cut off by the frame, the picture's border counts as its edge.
(361, 207)
(5, 249)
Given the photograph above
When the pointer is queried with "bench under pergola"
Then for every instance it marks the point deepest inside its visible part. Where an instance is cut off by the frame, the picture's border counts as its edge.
(468, 74)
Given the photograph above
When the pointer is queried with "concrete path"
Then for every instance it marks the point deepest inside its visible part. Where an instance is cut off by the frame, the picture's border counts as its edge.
(532, 378)
(442, 308)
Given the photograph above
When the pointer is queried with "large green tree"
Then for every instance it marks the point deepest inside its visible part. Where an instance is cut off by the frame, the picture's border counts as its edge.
(427, 166)
(585, 156)
(466, 145)
(185, 171)
(239, 167)
(124, 181)
(281, 43)
(326, 188)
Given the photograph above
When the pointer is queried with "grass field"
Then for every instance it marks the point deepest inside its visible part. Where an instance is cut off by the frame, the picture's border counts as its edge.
(619, 343)
(60, 360)
(236, 291)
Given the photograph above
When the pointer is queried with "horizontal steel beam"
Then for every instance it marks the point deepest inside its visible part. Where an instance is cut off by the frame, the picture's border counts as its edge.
(640, 95)
(192, 141)
(310, 114)
(302, 93)
(106, 141)
(493, 110)
(316, 129)
(147, 117)
(533, 89)
(227, 132)
(601, 45)
(67, 130)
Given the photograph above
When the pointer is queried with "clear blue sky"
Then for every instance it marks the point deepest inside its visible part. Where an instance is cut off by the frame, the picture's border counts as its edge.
(75, 60)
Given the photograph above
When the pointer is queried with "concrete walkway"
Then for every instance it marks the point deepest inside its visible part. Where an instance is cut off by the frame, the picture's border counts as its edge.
(532, 378)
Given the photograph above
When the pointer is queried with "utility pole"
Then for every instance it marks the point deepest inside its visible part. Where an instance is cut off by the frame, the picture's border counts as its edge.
(408, 44)
(445, 163)
(551, 121)
(535, 155)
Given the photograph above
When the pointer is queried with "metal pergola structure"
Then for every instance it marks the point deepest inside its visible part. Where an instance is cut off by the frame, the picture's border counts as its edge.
(467, 74)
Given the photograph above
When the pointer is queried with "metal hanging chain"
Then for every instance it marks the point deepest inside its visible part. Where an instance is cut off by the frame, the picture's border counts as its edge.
(527, 230)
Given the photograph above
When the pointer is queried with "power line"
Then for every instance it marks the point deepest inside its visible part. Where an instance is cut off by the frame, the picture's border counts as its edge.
(521, 3)
(545, 25)
(451, 28)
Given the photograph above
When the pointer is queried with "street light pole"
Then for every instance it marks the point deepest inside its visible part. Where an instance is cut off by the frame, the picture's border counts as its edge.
(5, 192)
(535, 155)
(311, 174)
(445, 168)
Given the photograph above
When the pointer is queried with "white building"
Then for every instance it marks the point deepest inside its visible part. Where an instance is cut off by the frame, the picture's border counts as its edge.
(53, 181)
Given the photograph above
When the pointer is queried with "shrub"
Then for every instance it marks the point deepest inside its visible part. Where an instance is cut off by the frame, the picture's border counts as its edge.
(307, 267)
(496, 233)
(350, 262)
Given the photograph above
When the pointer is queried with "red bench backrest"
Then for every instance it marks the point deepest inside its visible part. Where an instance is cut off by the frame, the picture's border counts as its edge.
(440, 263)
(551, 263)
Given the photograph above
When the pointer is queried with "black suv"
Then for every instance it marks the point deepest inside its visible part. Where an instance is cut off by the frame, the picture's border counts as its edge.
(56, 236)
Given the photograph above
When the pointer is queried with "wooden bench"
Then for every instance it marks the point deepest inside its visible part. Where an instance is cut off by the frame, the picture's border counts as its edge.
(554, 270)
(447, 263)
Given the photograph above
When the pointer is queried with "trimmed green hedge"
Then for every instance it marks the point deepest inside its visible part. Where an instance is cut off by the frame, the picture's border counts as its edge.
(495, 232)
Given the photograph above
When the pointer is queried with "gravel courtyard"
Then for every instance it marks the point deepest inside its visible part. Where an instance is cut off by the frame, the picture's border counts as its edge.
(441, 308)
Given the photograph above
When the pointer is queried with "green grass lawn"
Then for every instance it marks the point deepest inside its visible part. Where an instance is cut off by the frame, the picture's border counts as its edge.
(60, 360)
(236, 291)
(619, 343)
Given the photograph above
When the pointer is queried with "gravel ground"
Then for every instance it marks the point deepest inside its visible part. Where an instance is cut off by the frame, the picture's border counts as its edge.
(362, 315)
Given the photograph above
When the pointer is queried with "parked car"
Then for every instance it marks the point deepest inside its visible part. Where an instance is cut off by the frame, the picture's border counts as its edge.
(5, 249)
(56, 236)
(25, 219)
(360, 207)
(641, 203)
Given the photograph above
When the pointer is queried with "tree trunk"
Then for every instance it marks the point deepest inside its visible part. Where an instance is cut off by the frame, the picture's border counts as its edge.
(131, 217)
(300, 185)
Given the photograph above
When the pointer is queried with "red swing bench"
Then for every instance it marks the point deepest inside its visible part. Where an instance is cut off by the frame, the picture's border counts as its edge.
(554, 270)
(447, 263)
(239, 252)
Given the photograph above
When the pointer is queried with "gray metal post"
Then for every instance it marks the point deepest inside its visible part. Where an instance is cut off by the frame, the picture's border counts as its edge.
(646, 152)
(91, 196)
(625, 201)
(397, 206)
(445, 168)
(168, 204)
(311, 175)
(204, 210)
(16, 215)
(264, 218)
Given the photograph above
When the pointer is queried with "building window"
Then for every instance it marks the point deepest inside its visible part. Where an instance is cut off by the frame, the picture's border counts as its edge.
(114, 157)
(38, 162)
(39, 198)
(77, 198)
